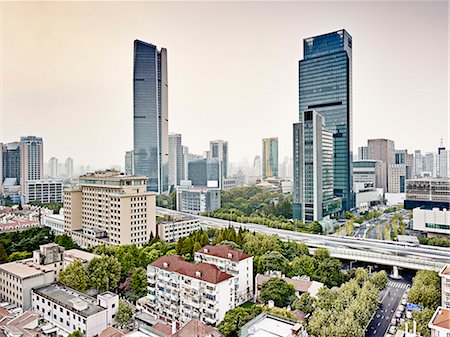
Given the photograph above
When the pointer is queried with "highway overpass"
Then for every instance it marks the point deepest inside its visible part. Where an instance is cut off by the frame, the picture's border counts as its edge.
(390, 253)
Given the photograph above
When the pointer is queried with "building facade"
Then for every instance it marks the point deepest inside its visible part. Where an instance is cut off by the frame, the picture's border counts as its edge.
(325, 85)
(363, 153)
(71, 310)
(196, 200)
(383, 150)
(219, 149)
(53, 168)
(397, 174)
(445, 286)
(69, 167)
(313, 175)
(11, 161)
(45, 191)
(434, 222)
(31, 159)
(181, 291)
(109, 208)
(176, 162)
(270, 157)
(369, 171)
(427, 193)
(205, 173)
(233, 262)
(172, 229)
(150, 105)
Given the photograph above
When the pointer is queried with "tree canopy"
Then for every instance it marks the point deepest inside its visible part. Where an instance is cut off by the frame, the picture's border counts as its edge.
(279, 291)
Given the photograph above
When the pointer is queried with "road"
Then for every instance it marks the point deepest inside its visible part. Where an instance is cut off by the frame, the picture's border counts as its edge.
(391, 298)
(392, 248)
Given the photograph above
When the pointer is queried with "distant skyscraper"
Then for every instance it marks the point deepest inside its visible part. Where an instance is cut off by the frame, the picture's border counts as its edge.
(325, 86)
(313, 175)
(270, 157)
(257, 167)
(11, 161)
(363, 153)
(418, 168)
(219, 149)
(31, 159)
(384, 150)
(443, 161)
(430, 164)
(151, 139)
(176, 164)
(69, 167)
(129, 163)
(53, 167)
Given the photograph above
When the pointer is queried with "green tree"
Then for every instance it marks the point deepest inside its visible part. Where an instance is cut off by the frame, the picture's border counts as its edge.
(125, 313)
(236, 318)
(321, 254)
(76, 333)
(426, 289)
(104, 272)
(19, 256)
(329, 272)
(273, 260)
(3, 254)
(277, 290)
(379, 279)
(75, 276)
(139, 281)
(66, 242)
(305, 303)
(304, 265)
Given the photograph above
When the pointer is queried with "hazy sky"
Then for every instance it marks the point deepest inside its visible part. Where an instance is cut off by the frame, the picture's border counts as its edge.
(233, 72)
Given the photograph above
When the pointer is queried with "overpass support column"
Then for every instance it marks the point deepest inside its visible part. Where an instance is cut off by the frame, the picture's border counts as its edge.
(395, 273)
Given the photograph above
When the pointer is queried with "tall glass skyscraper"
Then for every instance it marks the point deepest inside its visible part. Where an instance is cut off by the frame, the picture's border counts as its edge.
(325, 86)
(270, 157)
(150, 103)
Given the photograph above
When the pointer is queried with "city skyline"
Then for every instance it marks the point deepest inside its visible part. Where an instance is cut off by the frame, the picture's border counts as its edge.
(105, 98)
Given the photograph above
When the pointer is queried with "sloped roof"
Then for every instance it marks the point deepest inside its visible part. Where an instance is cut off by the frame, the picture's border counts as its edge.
(225, 252)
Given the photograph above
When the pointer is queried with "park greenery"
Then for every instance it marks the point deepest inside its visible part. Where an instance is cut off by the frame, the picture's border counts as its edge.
(426, 292)
(55, 207)
(279, 291)
(124, 314)
(252, 204)
(25, 241)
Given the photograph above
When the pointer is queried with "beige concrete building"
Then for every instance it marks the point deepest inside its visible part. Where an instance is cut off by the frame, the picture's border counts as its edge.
(110, 208)
(383, 150)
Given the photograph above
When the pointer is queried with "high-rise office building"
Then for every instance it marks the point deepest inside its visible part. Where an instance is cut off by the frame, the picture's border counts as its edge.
(363, 153)
(11, 161)
(150, 98)
(53, 167)
(219, 149)
(270, 157)
(383, 150)
(430, 164)
(313, 175)
(129, 162)
(176, 162)
(69, 167)
(31, 159)
(325, 85)
(443, 161)
(418, 168)
(257, 167)
(205, 173)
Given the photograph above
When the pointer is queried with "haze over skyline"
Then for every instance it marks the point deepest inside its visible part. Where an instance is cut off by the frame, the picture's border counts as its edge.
(233, 72)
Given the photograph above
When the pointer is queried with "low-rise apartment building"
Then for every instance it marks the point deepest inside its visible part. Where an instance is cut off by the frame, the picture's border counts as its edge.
(55, 222)
(173, 228)
(434, 222)
(233, 262)
(44, 191)
(110, 208)
(181, 291)
(70, 310)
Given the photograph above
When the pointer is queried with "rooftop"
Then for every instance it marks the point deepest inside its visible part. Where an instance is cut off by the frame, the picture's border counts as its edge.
(201, 271)
(23, 268)
(445, 271)
(76, 254)
(197, 329)
(225, 252)
(267, 325)
(300, 285)
(71, 299)
(441, 318)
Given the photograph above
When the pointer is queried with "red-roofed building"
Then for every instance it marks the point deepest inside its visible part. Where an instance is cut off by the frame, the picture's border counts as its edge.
(440, 323)
(234, 262)
(445, 277)
(181, 291)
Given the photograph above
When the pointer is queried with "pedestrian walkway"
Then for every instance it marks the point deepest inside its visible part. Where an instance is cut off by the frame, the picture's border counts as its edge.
(400, 285)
